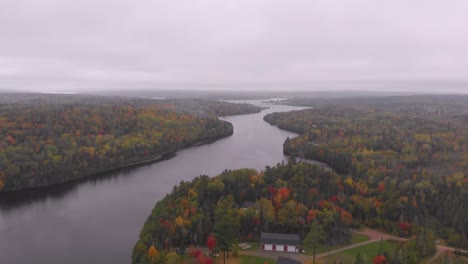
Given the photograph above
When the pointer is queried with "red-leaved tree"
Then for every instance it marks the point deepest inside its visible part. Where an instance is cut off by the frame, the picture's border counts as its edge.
(211, 242)
(379, 260)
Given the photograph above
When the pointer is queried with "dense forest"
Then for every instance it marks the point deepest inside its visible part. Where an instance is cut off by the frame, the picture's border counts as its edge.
(48, 139)
(239, 205)
(400, 166)
(409, 156)
(287, 198)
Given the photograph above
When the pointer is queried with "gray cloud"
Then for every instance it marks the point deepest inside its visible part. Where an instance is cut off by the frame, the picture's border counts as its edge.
(66, 45)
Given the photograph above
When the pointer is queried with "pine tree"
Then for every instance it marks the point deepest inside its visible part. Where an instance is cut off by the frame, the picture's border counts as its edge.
(315, 236)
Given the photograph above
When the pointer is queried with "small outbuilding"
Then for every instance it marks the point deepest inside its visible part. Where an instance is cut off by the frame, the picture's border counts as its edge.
(280, 242)
(247, 205)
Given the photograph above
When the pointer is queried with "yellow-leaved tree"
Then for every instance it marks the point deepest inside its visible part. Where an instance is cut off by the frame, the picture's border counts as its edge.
(152, 252)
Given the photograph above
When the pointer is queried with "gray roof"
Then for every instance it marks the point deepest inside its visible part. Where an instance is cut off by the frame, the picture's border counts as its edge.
(248, 204)
(283, 260)
(280, 239)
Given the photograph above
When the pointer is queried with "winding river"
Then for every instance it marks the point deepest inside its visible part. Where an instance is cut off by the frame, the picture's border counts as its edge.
(98, 220)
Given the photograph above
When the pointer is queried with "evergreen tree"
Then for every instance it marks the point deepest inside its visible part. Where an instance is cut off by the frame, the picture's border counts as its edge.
(359, 259)
(226, 225)
(315, 236)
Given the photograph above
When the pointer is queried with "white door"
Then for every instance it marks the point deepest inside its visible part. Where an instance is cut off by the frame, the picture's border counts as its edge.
(291, 249)
(268, 247)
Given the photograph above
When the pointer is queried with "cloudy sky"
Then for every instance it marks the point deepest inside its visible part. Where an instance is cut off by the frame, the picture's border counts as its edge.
(67, 45)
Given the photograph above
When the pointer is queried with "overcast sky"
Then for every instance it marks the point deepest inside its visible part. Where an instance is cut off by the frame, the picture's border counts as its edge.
(67, 45)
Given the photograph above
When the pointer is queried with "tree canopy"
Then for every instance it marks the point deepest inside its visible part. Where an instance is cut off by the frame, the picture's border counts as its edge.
(51, 138)
(406, 157)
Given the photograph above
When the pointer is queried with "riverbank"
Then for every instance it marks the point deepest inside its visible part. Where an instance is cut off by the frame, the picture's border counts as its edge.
(161, 157)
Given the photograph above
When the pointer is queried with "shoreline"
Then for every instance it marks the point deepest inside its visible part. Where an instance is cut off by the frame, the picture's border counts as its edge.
(161, 157)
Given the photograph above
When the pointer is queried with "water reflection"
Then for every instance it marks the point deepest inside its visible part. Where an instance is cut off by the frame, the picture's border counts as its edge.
(16, 199)
(97, 219)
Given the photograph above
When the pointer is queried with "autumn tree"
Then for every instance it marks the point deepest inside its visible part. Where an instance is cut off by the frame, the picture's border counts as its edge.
(152, 253)
(173, 258)
(46, 143)
(211, 242)
(266, 213)
(379, 259)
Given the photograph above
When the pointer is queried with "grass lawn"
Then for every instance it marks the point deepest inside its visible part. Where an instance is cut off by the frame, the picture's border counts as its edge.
(244, 259)
(368, 252)
(356, 238)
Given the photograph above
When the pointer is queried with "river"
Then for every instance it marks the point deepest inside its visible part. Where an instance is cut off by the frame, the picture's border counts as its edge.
(98, 220)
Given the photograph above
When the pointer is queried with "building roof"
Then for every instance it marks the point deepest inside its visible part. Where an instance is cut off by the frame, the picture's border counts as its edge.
(248, 204)
(283, 260)
(280, 239)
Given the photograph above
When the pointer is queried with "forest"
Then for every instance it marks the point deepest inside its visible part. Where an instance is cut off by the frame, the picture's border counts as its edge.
(295, 197)
(284, 198)
(400, 166)
(49, 139)
(411, 149)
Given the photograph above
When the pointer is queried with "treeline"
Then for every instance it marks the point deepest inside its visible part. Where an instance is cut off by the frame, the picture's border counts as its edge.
(218, 108)
(414, 154)
(199, 107)
(243, 203)
(48, 139)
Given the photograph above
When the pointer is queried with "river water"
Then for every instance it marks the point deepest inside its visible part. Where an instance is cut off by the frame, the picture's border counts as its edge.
(98, 220)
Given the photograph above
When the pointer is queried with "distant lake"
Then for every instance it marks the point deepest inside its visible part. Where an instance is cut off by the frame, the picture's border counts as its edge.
(98, 220)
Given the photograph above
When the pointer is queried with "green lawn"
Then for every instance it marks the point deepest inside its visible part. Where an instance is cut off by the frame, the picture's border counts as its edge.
(244, 259)
(368, 252)
(356, 238)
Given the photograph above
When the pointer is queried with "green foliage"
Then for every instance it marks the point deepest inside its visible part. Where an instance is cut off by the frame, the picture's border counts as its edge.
(359, 259)
(226, 223)
(406, 255)
(416, 249)
(313, 239)
(315, 236)
(266, 213)
(173, 258)
(455, 240)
